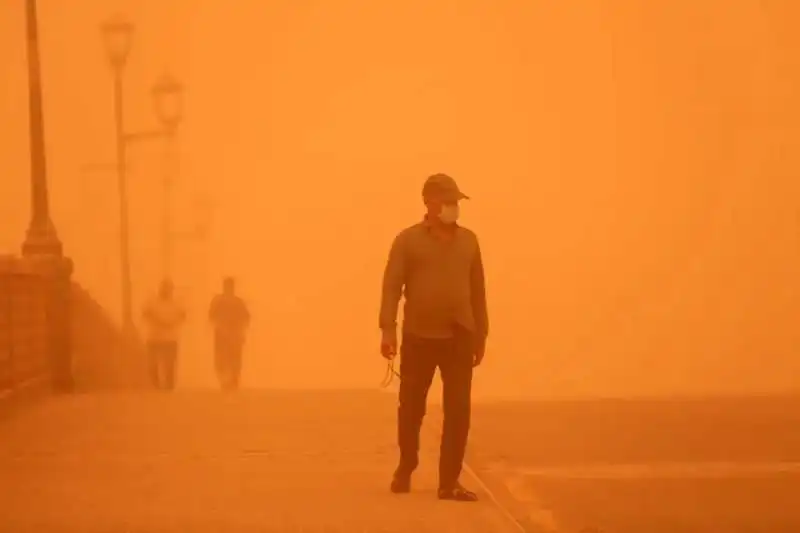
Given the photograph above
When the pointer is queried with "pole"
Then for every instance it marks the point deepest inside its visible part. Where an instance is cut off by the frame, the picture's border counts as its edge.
(41, 240)
(41, 237)
(124, 222)
(167, 231)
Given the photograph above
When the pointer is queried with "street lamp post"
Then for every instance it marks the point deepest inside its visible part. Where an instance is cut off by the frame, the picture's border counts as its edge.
(118, 36)
(41, 237)
(41, 240)
(167, 94)
(168, 102)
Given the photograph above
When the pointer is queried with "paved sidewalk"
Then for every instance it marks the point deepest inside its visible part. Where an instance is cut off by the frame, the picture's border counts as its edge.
(208, 462)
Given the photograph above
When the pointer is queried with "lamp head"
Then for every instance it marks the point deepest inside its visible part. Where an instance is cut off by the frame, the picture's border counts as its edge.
(168, 101)
(118, 39)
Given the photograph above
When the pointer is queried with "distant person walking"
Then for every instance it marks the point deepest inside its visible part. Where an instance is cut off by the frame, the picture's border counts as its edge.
(230, 318)
(436, 264)
(164, 317)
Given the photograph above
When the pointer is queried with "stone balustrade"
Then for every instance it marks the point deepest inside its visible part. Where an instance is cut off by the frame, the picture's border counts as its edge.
(24, 355)
(55, 336)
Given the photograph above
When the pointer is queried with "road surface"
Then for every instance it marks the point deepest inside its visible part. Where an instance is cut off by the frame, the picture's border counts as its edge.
(704, 465)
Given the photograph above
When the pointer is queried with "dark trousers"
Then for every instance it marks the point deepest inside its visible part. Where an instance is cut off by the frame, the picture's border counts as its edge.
(228, 362)
(163, 360)
(418, 363)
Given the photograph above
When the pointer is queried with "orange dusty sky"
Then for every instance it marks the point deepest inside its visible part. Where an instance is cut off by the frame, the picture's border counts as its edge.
(633, 167)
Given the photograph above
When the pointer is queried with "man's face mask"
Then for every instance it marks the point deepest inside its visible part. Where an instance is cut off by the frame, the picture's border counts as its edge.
(449, 213)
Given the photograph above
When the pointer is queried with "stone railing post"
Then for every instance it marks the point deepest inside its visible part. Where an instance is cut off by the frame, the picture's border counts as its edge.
(56, 274)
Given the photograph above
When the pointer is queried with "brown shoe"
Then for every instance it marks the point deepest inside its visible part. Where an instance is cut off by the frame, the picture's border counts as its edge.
(457, 494)
(401, 483)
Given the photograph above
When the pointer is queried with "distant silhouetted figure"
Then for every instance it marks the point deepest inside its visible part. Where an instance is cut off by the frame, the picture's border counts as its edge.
(230, 317)
(164, 317)
(437, 265)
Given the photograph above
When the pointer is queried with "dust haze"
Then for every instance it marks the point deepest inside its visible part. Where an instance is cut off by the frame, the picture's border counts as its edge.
(633, 168)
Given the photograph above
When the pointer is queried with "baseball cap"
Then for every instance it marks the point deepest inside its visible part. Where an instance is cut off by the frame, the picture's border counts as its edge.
(444, 185)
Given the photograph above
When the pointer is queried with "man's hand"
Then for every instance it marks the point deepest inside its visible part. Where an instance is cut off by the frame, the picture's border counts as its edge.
(480, 351)
(389, 345)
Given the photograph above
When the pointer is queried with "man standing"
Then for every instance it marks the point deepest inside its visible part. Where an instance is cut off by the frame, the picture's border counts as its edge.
(230, 317)
(164, 317)
(436, 264)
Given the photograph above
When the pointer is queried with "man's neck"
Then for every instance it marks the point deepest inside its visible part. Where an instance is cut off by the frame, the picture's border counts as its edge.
(439, 229)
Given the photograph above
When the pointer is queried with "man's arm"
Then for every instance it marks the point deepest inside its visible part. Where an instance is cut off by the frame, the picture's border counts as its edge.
(478, 291)
(394, 278)
(245, 314)
(212, 309)
(181, 314)
(147, 313)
